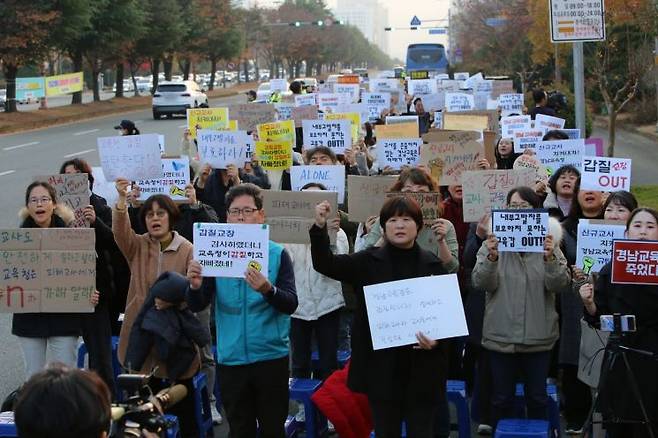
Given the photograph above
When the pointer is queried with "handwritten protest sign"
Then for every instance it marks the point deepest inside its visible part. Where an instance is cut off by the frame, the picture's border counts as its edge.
(526, 161)
(499, 87)
(557, 153)
(250, 115)
(376, 103)
(397, 130)
(73, 190)
(429, 202)
(354, 118)
(103, 187)
(433, 102)
(47, 270)
(222, 148)
(510, 104)
(283, 111)
(384, 85)
(358, 108)
(176, 175)
(472, 81)
(449, 158)
(520, 230)
(334, 134)
(277, 131)
(398, 152)
(305, 99)
(456, 102)
(227, 250)
(486, 190)
(594, 248)
(130, 156)
(420, 87)
(397, 310)
(305, 112)
(461, 76)
(438, 120)
(328, 103)
(394, 120)
(548, 123)
(605, 174)
(634, 262)
(526, 140)
(206, 118)
(510, 125)
(594, 147)
(367, 195)
(274, 155)
(351, 91)
(278, 84)
(332, 177)
(447, 85)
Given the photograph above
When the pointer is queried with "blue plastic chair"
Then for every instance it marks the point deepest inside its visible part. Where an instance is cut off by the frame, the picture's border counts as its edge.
(202, 405)
(116, 366)
(173, 429)
(520, 428)
(553, 406)
(7, 426)
(301, 390)
(456, 392)
(291, 427)
(341, 355)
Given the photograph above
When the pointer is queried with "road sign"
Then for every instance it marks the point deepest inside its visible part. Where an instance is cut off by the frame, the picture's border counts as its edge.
(438, 31)
(230, 66)
(577, 21)
(415, 21)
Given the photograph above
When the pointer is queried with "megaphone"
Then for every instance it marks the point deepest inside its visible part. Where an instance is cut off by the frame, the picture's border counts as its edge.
(176, 191)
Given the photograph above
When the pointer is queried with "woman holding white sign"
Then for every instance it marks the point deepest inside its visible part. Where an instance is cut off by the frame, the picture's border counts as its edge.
(402, 383)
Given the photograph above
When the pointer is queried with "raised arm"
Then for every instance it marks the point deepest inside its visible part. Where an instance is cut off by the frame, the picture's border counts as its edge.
(126, 239)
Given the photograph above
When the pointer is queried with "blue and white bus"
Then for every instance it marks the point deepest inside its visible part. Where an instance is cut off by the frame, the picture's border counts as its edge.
(429, 57)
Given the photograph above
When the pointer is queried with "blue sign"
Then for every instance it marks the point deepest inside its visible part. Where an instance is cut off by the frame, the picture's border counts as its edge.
(415, 21)
(30, 88)
(439, 31)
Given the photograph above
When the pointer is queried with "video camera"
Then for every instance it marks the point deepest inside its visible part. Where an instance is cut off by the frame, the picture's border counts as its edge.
(556, 100)
(143, 410)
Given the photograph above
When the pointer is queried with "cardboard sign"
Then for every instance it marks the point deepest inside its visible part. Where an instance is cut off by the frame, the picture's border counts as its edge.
(305, 99)
(548, 123)
(376, 103)
(283, 111)
(206, 118)
(49, 270)
(280, 85)
(526, 140)
(131, 157)
(486, 190)
(397, 130)
(499, 87)
(350, 90)
(634, 262)
(594, 240)
(367, 195)
(397, 310)
(250, 115)
(334, 134)
(526, 161)
(354, 118)
(420, 87)
(429, 202)
(510, 125)
(465, 122)
(520, 230)
(274, 155)
(305, 112)
(73, 190)
(456, 102)
(330, 176)
(448, 159)
(278, 131)
(176, 175)
(227, 250)
(398, 152)
(605, 174)
(510, 104)
(222, 148)
(557, 153)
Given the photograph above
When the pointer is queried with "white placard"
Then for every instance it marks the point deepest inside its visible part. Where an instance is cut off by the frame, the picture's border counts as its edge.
(594, 249)
(176, 175)
(511, 103)
(330, 176)
(605, 174)
(481, 101)
(104, 188)
(360, 108)
(397, 310)
(278, 85)
(305, 99)
(283, 111)
(485, 86)
(447, 85)
(456, 102)
(131, 157)
(221, 148)
(227, 250)
(392, 120)
(548, 123)
(384, 85)
(461, 76)
(575, 20)
(526, 139)
(438, 120)
(573, 134)
(433, 102)
(472, 81)
(557, 153)
(420, 87)
(334, 134)
(442, 76)
(376, 103)
(329, 102)
(520, 230)
(397, 152)
(510, 125)
(351, 90)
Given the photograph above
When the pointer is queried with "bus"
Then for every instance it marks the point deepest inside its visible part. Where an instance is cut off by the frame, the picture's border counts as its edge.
(430, 57)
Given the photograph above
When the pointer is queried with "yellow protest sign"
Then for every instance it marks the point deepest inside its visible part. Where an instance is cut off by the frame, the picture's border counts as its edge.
(274, 155)
(397, 130)
(278, 132)
(355, 118)
(63, 84)
(207, 118)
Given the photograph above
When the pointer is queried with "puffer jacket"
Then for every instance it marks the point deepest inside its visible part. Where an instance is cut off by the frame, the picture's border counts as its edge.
(317, 294)
(520, 314)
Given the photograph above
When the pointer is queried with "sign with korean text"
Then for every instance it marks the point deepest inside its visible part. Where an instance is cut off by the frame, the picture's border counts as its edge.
(328, 103)
(30, 88)
(73, 190)
(332, 177)
(420, 87)
(176, 176)
(595, 237)
(577, 21)
(526, 161)
(349, 90)
(384, 85)
(461, 76)
(548, 123)
(456, 102)
(419, 74)
(605, 174)
(510, 103)
(305, 99)
(557, 153)
(397, 310)
(354, 118)
(486, 190)
(273, 155)
(634, 262)
(572, 133)
(429, 202)
(131, 157)
(376, 103)
(510, 125)
(526, 139)
(305, 112)
(367, 195)
(449, 158)
(222, 148)
(520, 230)
(64, 84)
(47, 270)
(348, 79)
(334, 134)
(278, 131)
(206, 118)
(227, 250)
(283, 111)
(398, 152)
(250, 115)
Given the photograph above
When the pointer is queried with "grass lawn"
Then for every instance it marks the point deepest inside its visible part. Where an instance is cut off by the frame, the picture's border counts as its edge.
(647, 196)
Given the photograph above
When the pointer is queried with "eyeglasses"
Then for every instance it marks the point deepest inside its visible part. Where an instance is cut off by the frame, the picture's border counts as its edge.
(159, 213)
(42, 200)
(519, 206)
(247, 211)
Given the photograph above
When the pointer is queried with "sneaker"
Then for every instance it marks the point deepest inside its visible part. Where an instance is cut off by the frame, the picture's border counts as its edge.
(300, 417)
(330, 427)
(484, 429)
(216, 416)
(573, 429)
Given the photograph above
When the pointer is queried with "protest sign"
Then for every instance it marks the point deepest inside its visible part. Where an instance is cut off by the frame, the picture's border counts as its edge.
(354, 108)
(510, 125)
(278, 85)
(433, 102)
(634, 262)
(548, 123)
(459, 122)
(354, 118)
(449, 158)
(526, 161)
(397, 310)
(420, 87)
(499, 87)
(526, 139)
(520, 230)
(176, 175)
(49, 270)
(332, 177)
(486, 190)
(376, 103)
(328, 103)
(283, 111)
(367, 195)
(605, 174)
(206, 118)
(351, 91)
(429, 202)
(594, 240)
(557, 153)
(227, 250)
(572, 133)
(482, 101)
(438, 120)
(64, 84)
(30, 88)
(104, 188)
(461, 76)
(334, 134)
(131, 157)
(273, 155)
(398, 152)
(511, 103)
(392, 120)
(472, 81)
(447, 85)
(456, 102)
(305, 99)
(348, 79)
(397, 130)
(278, 131)
(73, 190)
(384, 85)
(305, 112)
(250, 115)
(594, 147)
(222, 148)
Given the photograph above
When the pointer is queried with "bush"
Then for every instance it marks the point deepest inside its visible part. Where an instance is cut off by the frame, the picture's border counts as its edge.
(647, 196)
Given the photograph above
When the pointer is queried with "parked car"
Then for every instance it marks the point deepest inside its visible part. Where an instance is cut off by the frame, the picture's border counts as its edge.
(3, 98)
(263, 92)
(144, 85)
(176, 97)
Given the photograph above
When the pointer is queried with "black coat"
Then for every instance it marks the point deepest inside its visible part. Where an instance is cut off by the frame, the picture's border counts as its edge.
(641, 301)
(105, 246)
(393, 373)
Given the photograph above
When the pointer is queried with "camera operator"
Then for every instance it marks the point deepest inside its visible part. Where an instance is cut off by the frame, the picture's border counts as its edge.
(541, 104)
(616, 397)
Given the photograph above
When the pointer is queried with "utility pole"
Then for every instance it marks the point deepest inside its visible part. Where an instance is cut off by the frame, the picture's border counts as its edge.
(655, 67)
(579, 85)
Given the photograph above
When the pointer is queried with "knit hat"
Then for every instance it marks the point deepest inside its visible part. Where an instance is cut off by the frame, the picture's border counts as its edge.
(170, 287)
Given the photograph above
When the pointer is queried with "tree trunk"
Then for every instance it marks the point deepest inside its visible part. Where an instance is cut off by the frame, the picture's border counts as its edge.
(133, 70)
(257, 78)
(119, 80)
(187, 64)
(10, 77)
(309, 69)
(155, 71)
(95, 71)
(245, 67)
(612, 129)
(76, 58)
(213, 69)
(558, 72)
(168, 64)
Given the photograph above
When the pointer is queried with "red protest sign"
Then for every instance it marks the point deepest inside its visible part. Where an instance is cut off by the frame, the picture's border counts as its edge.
(635, 262)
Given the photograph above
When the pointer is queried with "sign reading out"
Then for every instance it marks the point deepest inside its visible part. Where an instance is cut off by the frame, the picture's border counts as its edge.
(520, 230)
(634, 262)
(605, 174)
(334, 134)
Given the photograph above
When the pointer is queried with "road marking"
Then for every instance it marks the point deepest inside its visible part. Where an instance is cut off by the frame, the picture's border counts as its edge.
(86, 132)
(86, 151)
(7, 172)
(11, 148)
(183, 126)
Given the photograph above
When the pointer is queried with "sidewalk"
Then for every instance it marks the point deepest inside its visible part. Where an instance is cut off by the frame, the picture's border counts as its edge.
(648, 131)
